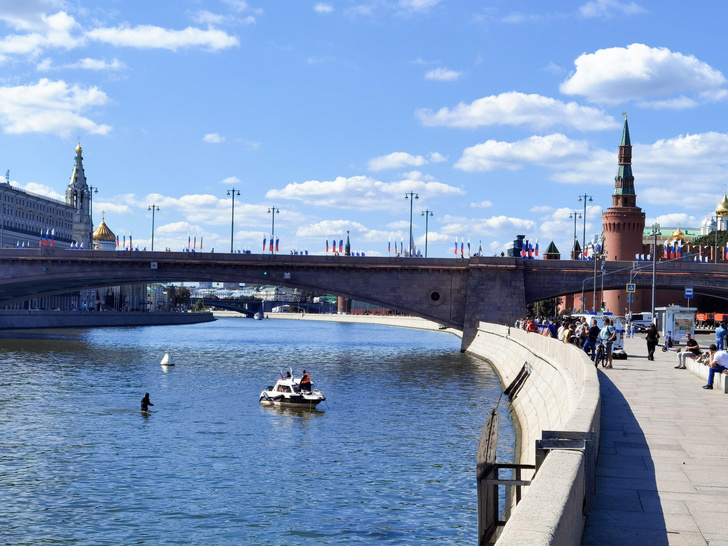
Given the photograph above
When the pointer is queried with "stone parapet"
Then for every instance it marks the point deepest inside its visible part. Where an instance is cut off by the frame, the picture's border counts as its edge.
(561, 394)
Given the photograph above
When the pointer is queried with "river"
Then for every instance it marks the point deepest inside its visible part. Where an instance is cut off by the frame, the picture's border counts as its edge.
(389, 458)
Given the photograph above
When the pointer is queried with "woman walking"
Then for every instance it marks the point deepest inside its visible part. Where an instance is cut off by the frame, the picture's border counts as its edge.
(653, 336)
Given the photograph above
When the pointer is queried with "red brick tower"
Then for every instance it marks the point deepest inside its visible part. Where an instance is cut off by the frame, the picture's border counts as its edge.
(623, 222)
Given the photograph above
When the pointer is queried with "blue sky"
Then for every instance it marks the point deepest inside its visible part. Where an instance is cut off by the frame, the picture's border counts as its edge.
(498, 114)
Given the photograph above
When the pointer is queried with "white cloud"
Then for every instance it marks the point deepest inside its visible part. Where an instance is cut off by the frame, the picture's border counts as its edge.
(395, 160)
(151, 37)
(52, 107)
(231, 180)
(204, 17)
(607, 8)
(84, 64)
(436, 157)
(28, 14)
(363, 192)
(39, 189)
(518, 109)
(443, 74)
(323, 8)
(329, 228)
(213, 138)
(417, 5)
(53, 31)
(482, 205)
(639, 72)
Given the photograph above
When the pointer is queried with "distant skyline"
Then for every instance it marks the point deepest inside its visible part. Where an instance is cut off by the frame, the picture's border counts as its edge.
(498, 114)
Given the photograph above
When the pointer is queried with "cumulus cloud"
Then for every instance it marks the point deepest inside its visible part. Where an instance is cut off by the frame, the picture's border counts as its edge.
(52, 31)
(39, 189)
(231, 180)
(482, 205)
(154, 37)
(643, 73)
(323, 8)
(443, 74)
(53, 107)
(395, 160)
(609, 8)
(518, 109)
(213, 138)
(28, 14)
(363, 192)
(83, 64)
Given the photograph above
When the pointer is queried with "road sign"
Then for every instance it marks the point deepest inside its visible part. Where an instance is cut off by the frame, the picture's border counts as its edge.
(688, 292)
(630, 297)
(631, 288)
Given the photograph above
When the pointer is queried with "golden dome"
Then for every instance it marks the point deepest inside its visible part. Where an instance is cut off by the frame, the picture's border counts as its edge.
(677, 234)
(78, 148)
(722, 208)
(103, 233)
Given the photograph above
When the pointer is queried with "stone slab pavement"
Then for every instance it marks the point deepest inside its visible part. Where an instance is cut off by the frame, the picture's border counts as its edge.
(662, 472)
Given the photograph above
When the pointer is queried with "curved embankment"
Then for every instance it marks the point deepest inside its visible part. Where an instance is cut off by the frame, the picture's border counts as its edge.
(561, 394)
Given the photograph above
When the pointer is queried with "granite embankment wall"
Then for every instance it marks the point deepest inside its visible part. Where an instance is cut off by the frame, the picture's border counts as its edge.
(561, 394)
(24, 319)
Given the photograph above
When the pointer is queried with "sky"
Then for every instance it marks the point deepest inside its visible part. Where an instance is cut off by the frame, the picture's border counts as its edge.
(497, 114)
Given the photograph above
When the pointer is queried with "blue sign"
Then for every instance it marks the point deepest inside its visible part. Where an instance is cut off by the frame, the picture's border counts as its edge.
(688, 292)
(631, 288)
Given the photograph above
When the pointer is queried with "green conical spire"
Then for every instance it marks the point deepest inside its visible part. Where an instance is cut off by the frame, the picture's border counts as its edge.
(625, 133)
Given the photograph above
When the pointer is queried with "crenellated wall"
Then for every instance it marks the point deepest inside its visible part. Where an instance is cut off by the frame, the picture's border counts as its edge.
(562, 393)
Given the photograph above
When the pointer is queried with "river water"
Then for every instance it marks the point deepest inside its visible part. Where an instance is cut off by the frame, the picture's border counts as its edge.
(390, 458)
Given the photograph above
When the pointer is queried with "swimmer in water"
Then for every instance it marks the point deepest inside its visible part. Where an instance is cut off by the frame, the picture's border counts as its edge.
(146, 403)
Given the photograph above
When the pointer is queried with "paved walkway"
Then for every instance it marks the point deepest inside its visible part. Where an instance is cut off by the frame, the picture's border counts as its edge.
(662, 474)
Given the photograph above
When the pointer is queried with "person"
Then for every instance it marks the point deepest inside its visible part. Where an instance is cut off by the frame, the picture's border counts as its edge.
(591, 340)
(668, 340)
(305, 381)
(146, 403)
(653, 336)
(718, 364)
(692, 350)
(288, 375)
(720, 336)
(608, 335)
(631, 329)
(582, 331)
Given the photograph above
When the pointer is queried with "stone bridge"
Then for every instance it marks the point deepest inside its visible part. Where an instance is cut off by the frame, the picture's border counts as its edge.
(455, 292)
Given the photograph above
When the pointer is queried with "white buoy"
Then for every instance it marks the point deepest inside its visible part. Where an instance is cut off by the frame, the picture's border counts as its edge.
(166, 360)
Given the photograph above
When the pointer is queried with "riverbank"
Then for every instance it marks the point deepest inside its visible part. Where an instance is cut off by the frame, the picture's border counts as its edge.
(23, 319)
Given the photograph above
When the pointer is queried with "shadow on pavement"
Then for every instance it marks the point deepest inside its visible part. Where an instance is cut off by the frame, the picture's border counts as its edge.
(627, 508)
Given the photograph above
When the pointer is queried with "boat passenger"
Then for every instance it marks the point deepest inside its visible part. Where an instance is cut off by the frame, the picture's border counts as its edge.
(305, 382)
(288, 375)
(146, 403)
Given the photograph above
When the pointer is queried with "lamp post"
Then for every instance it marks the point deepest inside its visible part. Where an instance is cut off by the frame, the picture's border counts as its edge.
(426, 213)
(655, 233)
(91, 191)
(411, 196)
(153, 208)
(273, 211)
(231, 192)
(715, 246)
(575, 214)
(584, 198)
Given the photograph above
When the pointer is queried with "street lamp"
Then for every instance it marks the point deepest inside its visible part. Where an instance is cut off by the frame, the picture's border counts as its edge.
(584, 198)
(231, 192)
(654, 234)
(91, 191)
(575, 214)
(153, 208)
(715, 248)
(273, 211)
(426, 214)
(411, 196)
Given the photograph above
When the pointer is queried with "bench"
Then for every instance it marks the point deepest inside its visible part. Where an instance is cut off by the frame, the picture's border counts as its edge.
(720, 381)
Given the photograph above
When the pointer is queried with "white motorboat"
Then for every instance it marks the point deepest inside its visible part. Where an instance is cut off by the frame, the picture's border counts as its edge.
(166, 359)
(258, 316)
(287, 392)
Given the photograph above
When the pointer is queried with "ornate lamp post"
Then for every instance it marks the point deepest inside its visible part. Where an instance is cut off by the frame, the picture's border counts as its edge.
(411, 196)
(91, 192)
(426, 214)
(231, 192)
(575, 214)
(655, 233)
(273, 211)
(584, 198)
(153, 208)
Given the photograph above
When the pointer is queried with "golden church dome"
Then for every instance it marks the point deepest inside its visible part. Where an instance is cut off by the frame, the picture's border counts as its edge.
(722, 208)
(678, 234)
(103, 233)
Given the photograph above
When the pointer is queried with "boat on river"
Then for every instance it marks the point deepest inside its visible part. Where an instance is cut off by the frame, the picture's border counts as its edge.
(166, 359)
(287, 392)
(258, 316)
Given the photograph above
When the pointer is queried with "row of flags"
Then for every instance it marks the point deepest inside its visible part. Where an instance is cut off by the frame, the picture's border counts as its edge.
(271, 244)
(528, 250)
(334, 248)
(672, 250)
(47, 237)
(398, 251)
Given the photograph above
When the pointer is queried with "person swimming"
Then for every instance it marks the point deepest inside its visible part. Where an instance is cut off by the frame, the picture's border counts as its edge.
(146, 403)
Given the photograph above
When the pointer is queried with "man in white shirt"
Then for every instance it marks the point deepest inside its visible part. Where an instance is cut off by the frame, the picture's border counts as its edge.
(718, 364)
(608, 335)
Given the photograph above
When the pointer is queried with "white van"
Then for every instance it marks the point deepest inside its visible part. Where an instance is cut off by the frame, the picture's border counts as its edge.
(618, 345)
(641, 321)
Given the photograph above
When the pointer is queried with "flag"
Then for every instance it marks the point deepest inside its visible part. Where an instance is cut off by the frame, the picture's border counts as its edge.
(462, 245)
(672, 251)
(678, 250)
(130, 244)
(271, 243)
(276, 244)
(726, 252)
(188, 241)
(117, 241)
(456, 246)
(327, 245)
(401, 246)
(265, 239)
(200, 242)
(666, 253)
(649, 257)
(468, 247)
(530, 250)
(341, 245)
(537, 248)
(53, 235)
(194, 244)
(124, 239)
(523, 249)
(389, 246)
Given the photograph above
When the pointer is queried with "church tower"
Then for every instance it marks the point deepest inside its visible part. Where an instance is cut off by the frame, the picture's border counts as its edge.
(78, 196)
(624, 222)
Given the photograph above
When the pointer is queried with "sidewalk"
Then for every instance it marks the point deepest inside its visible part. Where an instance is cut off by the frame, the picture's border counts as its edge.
(662, 473)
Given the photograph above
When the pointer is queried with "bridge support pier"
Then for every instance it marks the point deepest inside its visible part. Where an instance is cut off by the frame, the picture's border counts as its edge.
(495, 297)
